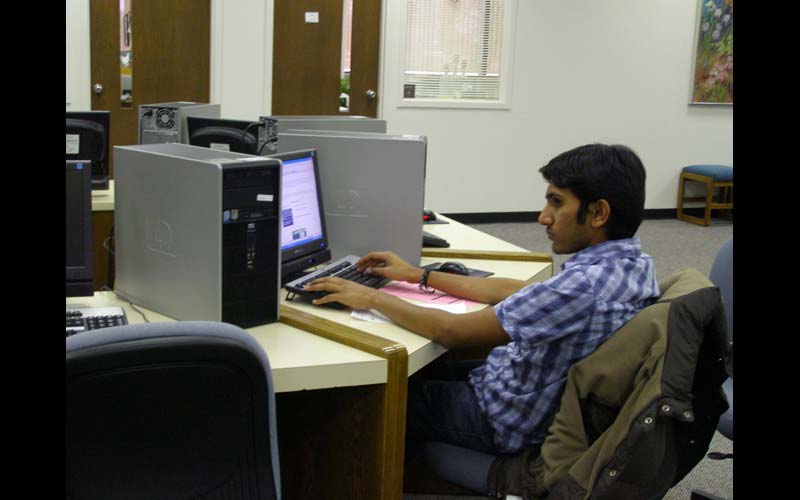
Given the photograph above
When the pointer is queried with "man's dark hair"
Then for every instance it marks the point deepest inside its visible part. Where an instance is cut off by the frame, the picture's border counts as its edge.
(598, 171)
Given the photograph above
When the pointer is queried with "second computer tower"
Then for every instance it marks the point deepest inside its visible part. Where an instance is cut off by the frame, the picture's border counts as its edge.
(166, 122)
(197, 232)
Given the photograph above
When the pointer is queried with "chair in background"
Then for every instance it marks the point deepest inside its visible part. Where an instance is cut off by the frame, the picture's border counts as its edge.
(721, 275)
(713, 177)
(170, 410)
(633, 447)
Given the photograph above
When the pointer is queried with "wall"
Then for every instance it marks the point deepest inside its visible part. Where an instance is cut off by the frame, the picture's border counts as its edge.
(78, 61)
(615, 71)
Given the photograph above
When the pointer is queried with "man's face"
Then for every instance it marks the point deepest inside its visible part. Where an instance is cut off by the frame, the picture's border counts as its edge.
(560, 215)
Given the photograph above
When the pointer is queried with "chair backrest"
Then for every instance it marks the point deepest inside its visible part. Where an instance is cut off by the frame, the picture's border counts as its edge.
(721, 275)
(170, 410)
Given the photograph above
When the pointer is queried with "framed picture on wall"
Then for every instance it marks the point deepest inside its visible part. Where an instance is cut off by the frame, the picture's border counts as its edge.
(712, 77)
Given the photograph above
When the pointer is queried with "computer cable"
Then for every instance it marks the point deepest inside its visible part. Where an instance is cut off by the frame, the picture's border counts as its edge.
(244, 132)
(123, 298)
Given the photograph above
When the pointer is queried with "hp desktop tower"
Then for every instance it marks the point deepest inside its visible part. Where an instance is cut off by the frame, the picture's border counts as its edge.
(166, 122)
(198, 232)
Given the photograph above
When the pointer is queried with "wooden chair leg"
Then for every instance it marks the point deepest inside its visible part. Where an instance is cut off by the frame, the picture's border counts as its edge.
(709, 201)
(681, 182)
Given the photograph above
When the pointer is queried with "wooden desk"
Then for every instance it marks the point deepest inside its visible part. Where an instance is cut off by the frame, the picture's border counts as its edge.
(421, 351)
(417, 352)
(300, 360)
(462, 237)
(341, 383)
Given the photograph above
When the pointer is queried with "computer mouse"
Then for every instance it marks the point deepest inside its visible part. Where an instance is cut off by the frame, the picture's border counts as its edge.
(428, 215)
(454, 268)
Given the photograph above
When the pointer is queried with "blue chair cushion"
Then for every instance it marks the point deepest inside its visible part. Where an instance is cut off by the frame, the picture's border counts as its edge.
(720, 173)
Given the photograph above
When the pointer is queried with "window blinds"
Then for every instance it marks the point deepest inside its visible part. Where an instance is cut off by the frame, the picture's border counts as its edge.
(453, 49)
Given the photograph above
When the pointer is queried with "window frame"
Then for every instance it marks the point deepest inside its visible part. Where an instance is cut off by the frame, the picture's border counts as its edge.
(506, 70)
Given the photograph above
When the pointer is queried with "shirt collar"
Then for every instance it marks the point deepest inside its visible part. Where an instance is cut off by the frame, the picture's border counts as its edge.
(625, 248)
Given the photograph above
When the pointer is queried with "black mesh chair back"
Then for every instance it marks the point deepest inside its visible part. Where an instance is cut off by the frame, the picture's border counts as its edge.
(169, 410)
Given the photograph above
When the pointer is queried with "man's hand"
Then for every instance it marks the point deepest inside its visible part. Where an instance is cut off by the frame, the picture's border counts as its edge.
(343, 291)
(389, 265)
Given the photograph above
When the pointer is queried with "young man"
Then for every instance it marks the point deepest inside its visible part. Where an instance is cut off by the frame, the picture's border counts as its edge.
(594, 205)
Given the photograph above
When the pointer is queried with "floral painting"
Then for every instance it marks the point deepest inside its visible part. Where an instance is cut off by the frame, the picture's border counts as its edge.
(712, 82)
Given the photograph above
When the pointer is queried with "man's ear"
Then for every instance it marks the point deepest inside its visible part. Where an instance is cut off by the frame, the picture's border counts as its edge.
(599, 212)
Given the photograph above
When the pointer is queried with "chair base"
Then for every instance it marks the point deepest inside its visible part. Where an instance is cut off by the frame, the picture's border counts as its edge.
(725, 203)
(419, 478)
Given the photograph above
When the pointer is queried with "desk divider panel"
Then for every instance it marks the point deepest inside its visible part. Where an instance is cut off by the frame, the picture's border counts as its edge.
(381, 473)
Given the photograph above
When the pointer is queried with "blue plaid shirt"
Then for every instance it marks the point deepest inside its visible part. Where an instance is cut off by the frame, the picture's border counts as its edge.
(553, 325)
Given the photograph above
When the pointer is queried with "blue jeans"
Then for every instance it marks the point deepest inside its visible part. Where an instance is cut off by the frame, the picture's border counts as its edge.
(445, 411)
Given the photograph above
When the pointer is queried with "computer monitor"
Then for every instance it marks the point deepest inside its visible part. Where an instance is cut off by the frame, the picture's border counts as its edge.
(373, 186)
(79, 269)
(239, 136)
(304, 240)
(88, 141)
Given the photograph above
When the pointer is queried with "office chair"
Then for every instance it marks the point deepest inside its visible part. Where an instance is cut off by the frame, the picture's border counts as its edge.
(721, 275)
(609, 442)
(170, 410)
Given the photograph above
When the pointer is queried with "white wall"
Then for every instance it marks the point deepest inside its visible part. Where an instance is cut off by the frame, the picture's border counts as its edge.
(78, 60)
(614, 71)
(241, 57)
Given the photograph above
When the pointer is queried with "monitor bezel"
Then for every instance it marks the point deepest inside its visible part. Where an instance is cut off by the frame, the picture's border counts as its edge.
(312, 252)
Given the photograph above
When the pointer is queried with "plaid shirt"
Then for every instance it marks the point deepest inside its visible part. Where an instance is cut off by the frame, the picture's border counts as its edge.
(553, 325)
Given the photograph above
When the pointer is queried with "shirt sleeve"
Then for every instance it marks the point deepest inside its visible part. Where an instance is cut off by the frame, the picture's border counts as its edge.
(543, 312)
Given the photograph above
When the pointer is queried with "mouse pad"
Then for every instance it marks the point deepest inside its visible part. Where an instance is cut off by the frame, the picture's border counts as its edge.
(472, 272)
(437, 221)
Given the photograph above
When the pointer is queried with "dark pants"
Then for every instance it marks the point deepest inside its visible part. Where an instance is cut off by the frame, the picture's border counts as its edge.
(445, 409)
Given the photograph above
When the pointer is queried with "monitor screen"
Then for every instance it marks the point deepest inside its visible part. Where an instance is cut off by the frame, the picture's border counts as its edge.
(304, 242)
(79, 268)
(88, 140)
(239, 136)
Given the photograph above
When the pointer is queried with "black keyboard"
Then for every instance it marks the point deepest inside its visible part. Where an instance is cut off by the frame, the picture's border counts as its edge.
(344, 268)
(92, 318)
(431, 240)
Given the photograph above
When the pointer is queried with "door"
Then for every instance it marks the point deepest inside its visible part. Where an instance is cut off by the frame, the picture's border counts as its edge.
(167, 47)
(169, 60)
(307, 57)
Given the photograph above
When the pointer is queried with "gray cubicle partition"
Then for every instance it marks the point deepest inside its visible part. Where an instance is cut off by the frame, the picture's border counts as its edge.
(373, 189)
(351, 123)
